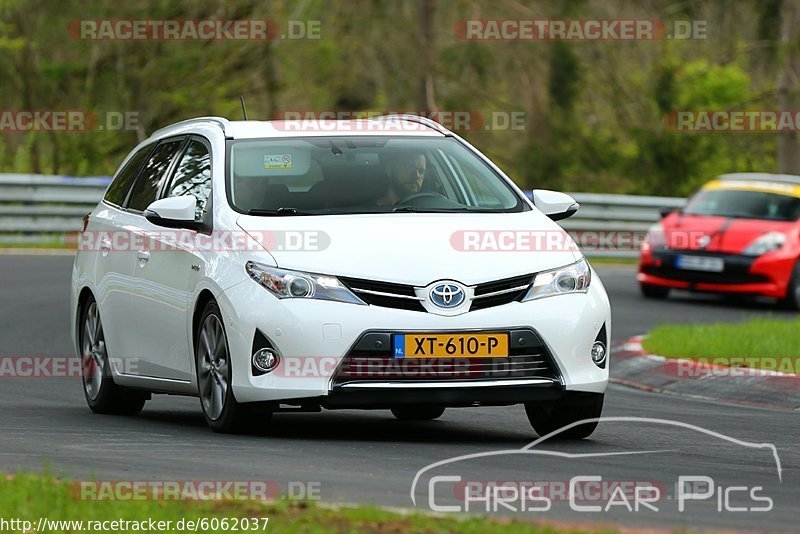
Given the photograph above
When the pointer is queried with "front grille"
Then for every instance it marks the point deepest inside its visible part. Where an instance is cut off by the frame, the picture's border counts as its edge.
(736, 271)
(386, 294)
(371, 360)
(403, 296)
(500, 292)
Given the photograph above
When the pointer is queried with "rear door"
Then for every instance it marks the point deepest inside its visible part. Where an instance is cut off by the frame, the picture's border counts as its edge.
(108, 240)
(172, 268)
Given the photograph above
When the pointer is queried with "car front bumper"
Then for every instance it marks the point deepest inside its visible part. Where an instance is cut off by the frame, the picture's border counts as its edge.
(766, 275)
(313, 337)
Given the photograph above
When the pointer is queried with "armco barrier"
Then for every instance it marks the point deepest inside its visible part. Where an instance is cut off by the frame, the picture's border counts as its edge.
(615, 225)
(36, 208)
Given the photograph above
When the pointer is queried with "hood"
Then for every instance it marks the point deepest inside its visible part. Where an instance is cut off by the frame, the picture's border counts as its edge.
(717, 234)
(415, 248)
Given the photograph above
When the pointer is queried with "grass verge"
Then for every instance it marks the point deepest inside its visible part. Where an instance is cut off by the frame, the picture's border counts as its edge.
(31, 497)
(37, 245)
(770, 344)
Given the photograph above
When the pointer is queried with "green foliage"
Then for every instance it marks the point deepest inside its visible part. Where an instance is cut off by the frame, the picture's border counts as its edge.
(594, 111)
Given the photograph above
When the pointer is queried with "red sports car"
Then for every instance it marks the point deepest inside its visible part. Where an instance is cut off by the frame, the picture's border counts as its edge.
(738, 234)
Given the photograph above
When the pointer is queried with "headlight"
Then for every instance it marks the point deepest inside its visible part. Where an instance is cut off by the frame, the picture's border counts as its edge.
(298, 285)
(574, 278)
(655, 238)
(766, 243)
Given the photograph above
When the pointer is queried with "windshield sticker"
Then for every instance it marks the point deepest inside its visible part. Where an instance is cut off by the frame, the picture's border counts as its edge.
(755, 185)
(277, 161)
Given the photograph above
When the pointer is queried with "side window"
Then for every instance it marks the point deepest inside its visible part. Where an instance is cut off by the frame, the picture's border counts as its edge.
(119, 188)
(193, 176)
(146, 187)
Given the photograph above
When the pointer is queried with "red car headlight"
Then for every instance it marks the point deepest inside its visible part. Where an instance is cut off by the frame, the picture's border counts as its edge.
(765, 243)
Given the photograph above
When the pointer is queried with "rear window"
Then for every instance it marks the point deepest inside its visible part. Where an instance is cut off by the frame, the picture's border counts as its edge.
(118, 191)
(337, 175)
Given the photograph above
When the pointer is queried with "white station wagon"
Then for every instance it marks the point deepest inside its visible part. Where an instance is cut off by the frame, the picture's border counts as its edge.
(382, 263)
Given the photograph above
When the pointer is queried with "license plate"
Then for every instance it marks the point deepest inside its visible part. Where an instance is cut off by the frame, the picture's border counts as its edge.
(451, 346)
(700, 263)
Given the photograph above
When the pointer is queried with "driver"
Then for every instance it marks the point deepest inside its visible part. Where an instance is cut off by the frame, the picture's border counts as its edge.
(406, 174)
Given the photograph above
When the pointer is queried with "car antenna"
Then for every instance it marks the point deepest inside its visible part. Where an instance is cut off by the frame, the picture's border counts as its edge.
(244, 109)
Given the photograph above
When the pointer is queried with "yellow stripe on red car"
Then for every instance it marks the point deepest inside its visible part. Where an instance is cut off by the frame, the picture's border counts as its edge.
(754, 185)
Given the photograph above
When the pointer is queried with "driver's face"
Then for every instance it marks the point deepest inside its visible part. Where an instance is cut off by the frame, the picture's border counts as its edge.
(408, 175)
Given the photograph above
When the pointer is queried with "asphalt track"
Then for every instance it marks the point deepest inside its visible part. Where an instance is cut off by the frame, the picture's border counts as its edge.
(368, 457)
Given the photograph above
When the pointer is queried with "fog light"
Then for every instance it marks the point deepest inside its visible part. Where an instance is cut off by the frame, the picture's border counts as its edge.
(266, 360)
(598, 353)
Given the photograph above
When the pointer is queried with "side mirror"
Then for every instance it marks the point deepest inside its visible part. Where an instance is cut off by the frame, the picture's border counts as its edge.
(667, 211)
(554, 204)
(173, 212)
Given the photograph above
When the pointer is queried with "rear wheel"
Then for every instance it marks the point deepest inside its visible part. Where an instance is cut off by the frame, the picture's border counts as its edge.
(792, 299)
(102, 394)
(214, 371)
(417, 413)
(654, 292)
(549, 417)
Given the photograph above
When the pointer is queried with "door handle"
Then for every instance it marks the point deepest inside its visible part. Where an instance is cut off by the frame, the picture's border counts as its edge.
(105, 245)
(144, 256)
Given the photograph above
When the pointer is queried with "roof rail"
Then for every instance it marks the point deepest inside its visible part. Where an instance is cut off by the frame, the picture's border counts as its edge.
(222, 122)
(762, 177)
(410, 117)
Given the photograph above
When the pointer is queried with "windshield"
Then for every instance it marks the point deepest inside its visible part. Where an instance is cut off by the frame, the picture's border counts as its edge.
(744, 204)
(337, 175)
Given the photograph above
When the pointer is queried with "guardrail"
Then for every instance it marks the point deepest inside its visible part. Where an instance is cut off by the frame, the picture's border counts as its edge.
(615, 225)
(35, 208)
(41, 209)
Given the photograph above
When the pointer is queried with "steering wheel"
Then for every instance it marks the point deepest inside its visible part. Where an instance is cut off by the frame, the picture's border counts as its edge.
(415, 196)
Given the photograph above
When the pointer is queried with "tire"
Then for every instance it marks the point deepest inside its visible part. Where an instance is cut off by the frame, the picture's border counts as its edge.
(549, 417)
(792, 299)
(654, 292)
(102, 394)
(214, 371)
(417, 413)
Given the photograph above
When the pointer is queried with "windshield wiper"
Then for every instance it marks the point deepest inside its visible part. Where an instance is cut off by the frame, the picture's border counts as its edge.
(279, 212)
(412, 209)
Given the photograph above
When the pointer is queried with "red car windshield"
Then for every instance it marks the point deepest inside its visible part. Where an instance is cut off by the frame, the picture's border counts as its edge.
(744, 204)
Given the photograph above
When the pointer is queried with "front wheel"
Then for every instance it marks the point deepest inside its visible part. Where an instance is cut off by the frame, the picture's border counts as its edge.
(417, 413)
(214, 375)
(102, 394)
(546, 418)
